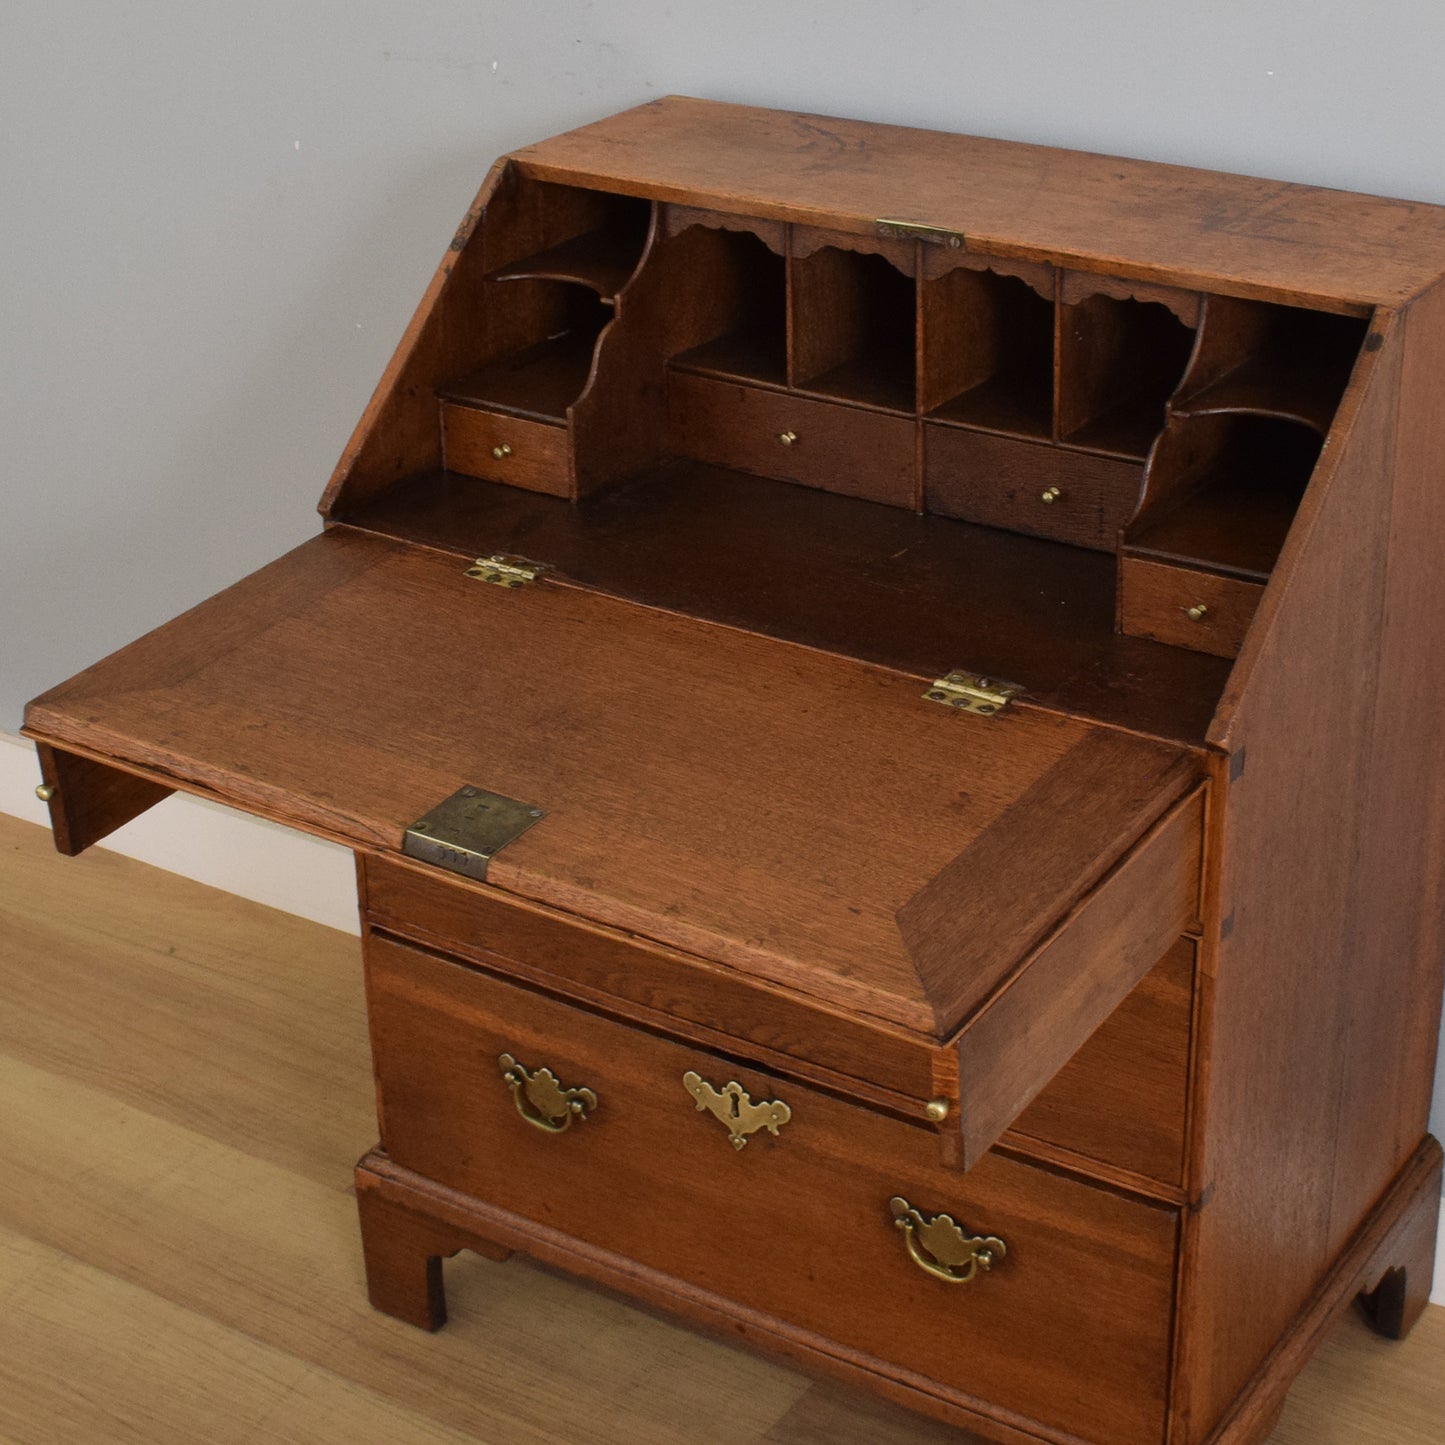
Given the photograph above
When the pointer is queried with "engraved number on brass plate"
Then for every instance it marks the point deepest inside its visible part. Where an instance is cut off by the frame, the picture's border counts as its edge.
(540, 1098)
(942, 1247)
(732, 1107)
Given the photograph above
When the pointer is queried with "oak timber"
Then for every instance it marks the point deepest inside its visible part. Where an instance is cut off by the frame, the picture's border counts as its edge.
(1280, 976)
(1158, 222)
(246, 1271)
(681, 768)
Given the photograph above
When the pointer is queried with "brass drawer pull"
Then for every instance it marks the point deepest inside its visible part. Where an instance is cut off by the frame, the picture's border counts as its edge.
(942, 1247)
(540, 1098)
(732, 1107)
(787, 438)
(1050, 495)
(1197, 613)
(502, 451)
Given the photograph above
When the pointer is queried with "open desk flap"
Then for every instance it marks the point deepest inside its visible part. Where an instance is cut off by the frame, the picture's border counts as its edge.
(800, 817)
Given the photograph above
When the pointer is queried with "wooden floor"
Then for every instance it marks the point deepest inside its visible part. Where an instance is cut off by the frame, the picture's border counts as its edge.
(184, 1086)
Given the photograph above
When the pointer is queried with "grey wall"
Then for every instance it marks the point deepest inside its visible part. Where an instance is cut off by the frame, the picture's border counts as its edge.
(216, 218)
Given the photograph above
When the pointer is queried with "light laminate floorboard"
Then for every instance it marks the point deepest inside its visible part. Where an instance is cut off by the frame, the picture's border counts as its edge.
(184, 1085)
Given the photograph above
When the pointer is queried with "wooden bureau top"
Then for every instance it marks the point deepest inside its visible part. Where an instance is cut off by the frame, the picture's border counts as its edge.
(804, 818)
(1337, 250)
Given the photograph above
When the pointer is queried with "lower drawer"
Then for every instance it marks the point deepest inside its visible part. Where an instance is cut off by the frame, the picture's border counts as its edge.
(1069, 1326)
(1121, 1100)
(774, 434)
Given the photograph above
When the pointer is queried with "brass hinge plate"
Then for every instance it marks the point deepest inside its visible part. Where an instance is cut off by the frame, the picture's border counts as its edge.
(916, 231)
(972, 693)
(463, 832)
(502, 570)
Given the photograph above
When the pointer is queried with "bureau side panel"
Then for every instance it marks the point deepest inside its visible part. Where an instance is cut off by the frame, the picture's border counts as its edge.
(400, 431)
(1278, 978)
(1396, 941)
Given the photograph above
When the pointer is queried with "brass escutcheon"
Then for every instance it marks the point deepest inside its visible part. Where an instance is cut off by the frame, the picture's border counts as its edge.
(541, 1100)
(732, 1107)
(942, 1247)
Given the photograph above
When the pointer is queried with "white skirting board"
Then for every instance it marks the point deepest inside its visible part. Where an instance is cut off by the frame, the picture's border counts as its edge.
(259, 860)
(256, 859)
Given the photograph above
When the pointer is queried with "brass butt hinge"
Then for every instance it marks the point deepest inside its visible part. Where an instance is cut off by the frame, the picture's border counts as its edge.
(972, 693)
(502, 570)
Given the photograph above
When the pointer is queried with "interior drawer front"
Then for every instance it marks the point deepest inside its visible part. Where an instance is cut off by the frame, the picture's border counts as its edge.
(797, 1224)
(1185, 607)
(838, 448)
(1000, 481)
(503, 448)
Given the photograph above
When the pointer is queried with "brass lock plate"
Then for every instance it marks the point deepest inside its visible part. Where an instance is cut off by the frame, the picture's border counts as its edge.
(464, 831)
(732, 1107)
(918, 231)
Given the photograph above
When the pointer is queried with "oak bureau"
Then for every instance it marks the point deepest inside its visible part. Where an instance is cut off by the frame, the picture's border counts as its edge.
(884, 687)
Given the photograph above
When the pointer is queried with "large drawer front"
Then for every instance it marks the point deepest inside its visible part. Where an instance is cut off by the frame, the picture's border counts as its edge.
(1120, 1100)
(602, 965)
(774, 434)
(1070, 1327)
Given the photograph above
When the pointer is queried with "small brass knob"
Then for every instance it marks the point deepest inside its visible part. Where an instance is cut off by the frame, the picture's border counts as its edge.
(1197, 613)
(501, 451)
(936, 1110)
(787, 437)
(45, 792)
(1050, 495)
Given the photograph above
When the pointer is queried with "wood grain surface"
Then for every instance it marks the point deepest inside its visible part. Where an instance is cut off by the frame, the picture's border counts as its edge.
(187, 1082)
(918, 593)
(680, 766)
(1283, 978)
(793, 1227)
(1093, 212)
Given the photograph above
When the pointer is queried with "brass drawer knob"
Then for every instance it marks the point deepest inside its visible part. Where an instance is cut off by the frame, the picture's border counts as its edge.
(45, 792)
(541, 1100)
(501, 451)
(942, 1247)
(787, 438)
(1197, 613)
(1050, 495)
(732, 1108)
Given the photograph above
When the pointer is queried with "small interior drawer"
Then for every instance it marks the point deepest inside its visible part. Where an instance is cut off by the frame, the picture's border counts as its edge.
(842, 449)
(1185, 606)
(503, 448)
(789, 1212)
(1046, 491)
